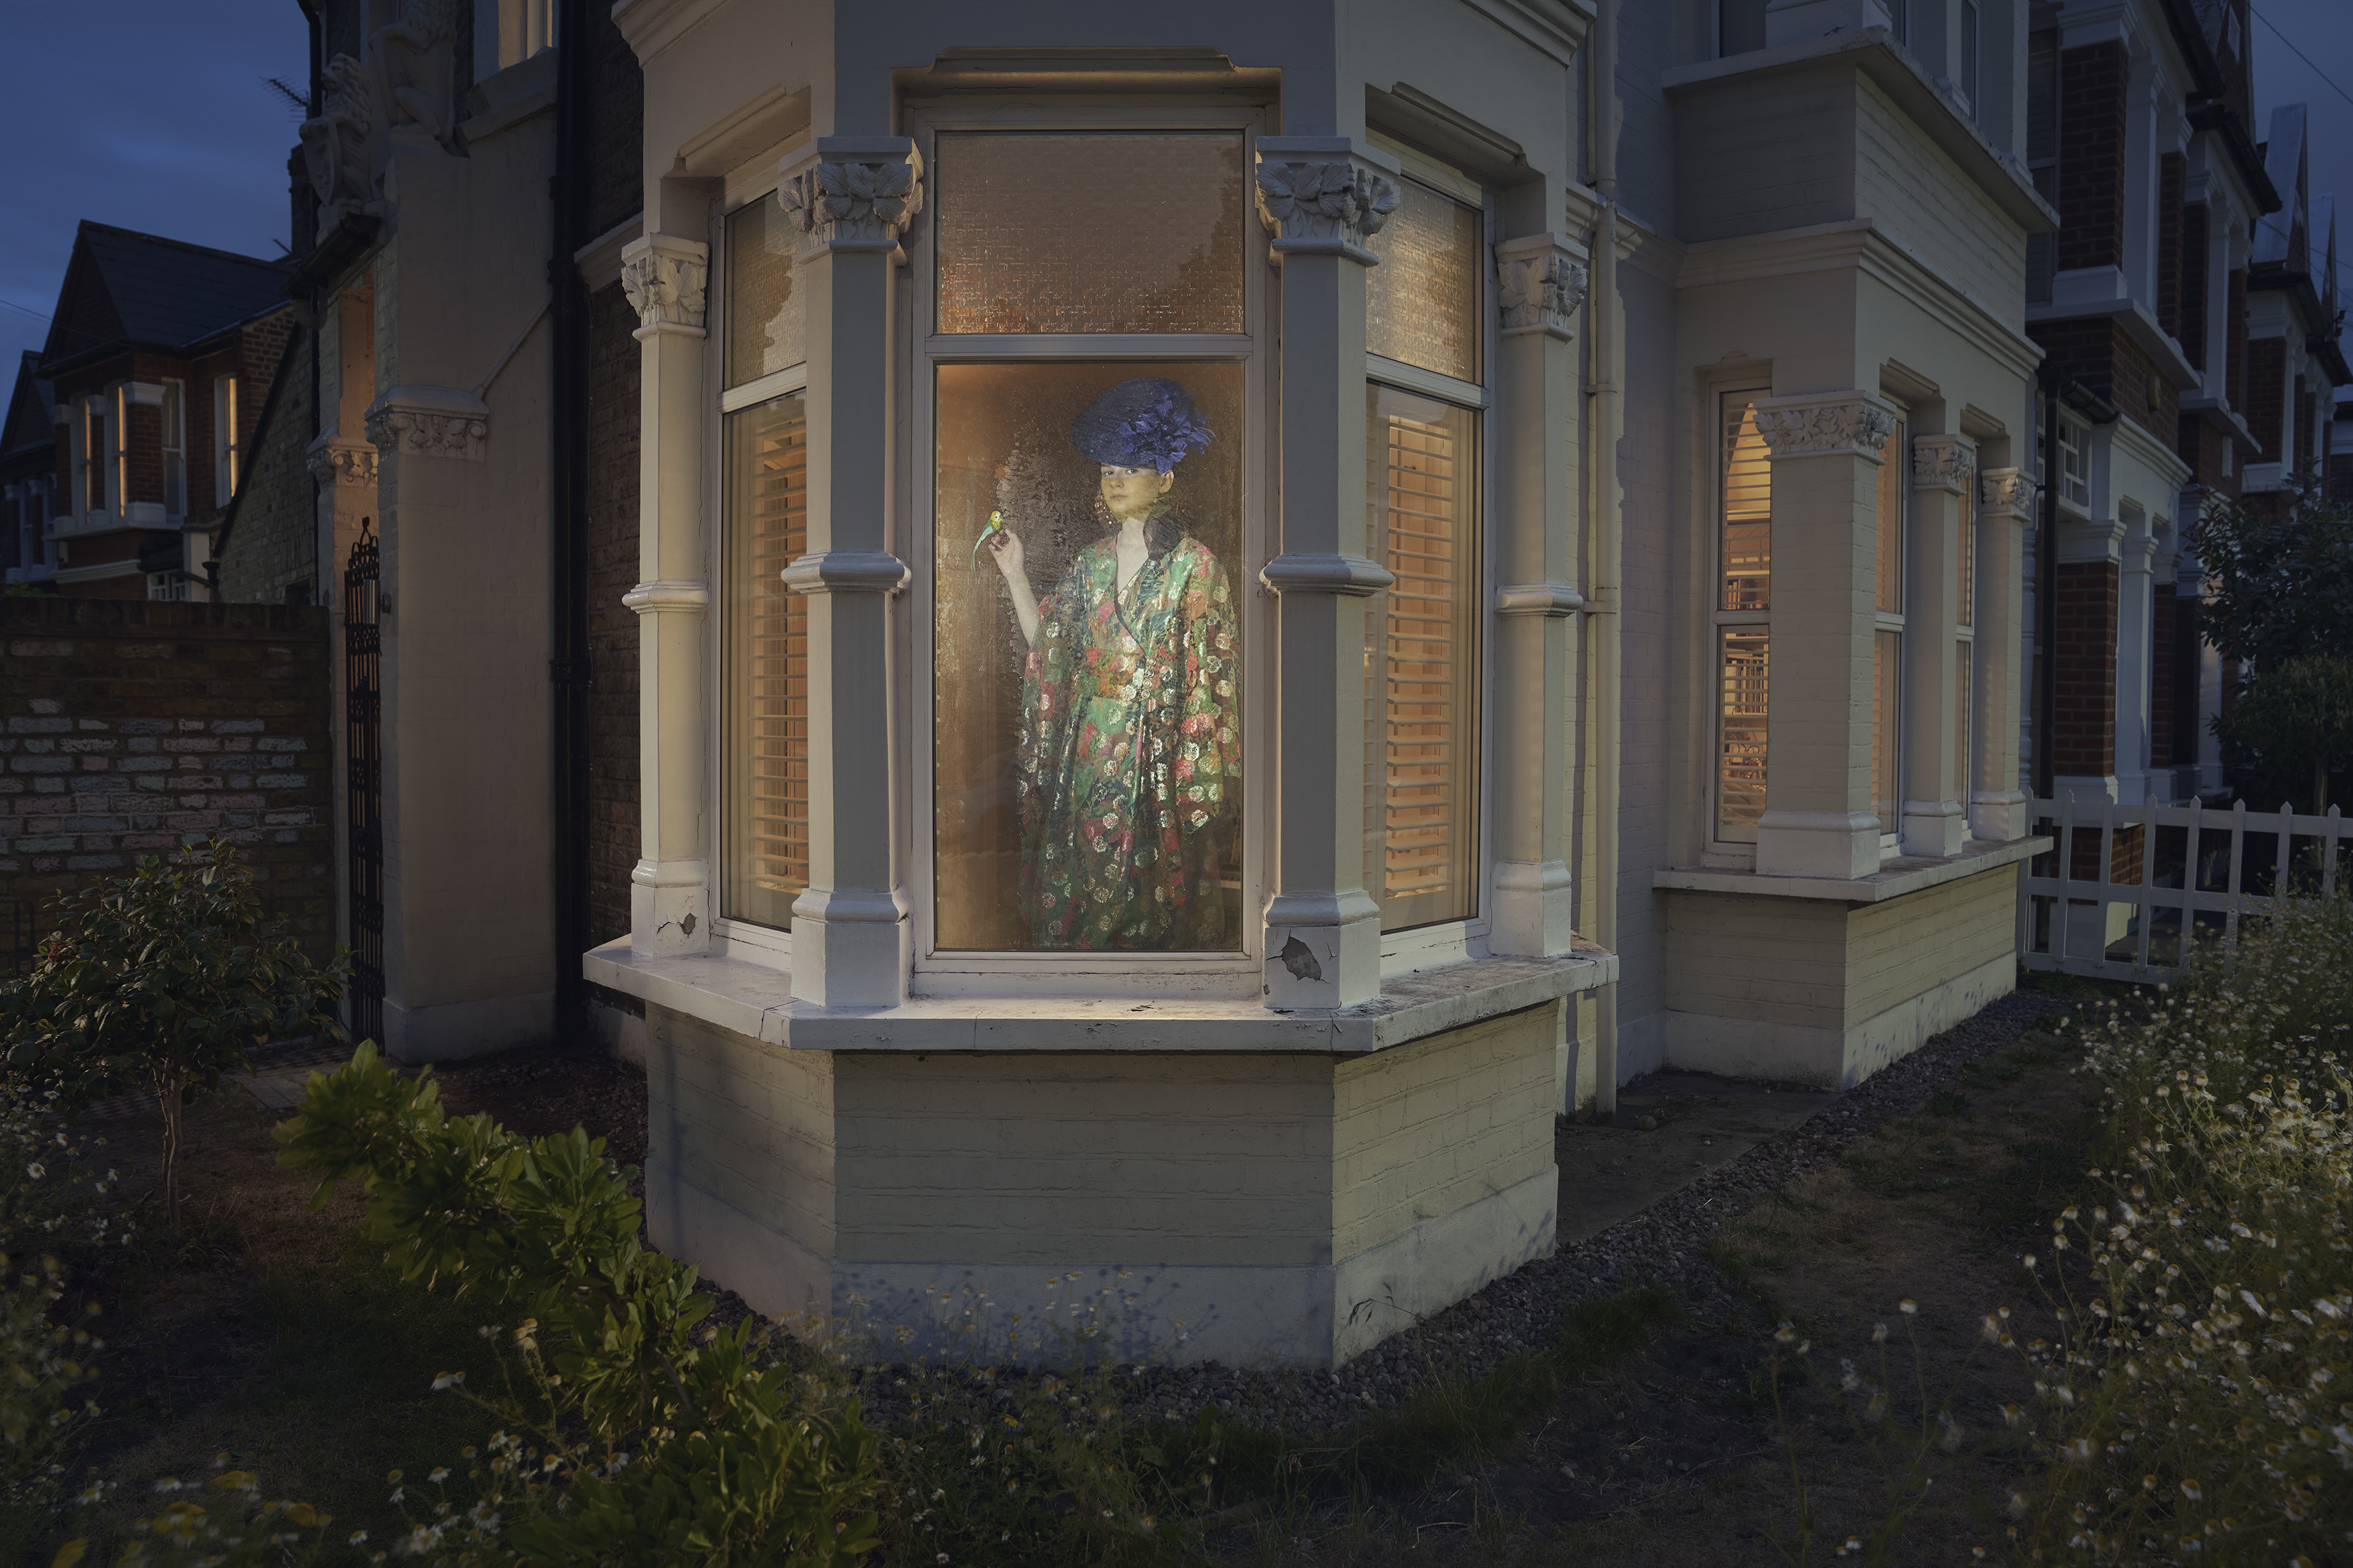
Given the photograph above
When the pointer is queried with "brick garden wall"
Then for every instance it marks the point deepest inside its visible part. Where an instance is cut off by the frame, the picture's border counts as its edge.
(133, 727)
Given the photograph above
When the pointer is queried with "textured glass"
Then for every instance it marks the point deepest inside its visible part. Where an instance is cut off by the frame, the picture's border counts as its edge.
(766, 663)
(1086, 724)
(1965, 585)
(1893, 473)
(1886, 674)
(1422, 303)
(1743, 666)
(1090, 231)
(767, 329)
(1748, 537)
(1421, 661)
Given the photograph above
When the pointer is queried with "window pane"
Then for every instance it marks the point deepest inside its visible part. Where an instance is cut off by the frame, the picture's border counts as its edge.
(1090, 231)
(175, 460)
(1422, 303)
(1421, 661)
(766, 657)
(1886, 673)
(765, 330)
(1740, 727)
(1966, 583)
(1894, 473)
(1961, 727)
(1087, 762)
(1748, 540)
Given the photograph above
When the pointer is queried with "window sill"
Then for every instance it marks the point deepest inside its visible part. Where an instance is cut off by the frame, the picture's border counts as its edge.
(1896, 876)
(756, 1000)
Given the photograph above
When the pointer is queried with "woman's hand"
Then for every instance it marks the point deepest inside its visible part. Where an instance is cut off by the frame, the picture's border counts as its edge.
(1005, 548)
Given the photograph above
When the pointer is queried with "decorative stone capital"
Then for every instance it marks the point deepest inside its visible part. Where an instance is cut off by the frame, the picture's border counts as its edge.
(2006, 492)
(852, 194)
(666, 279)
(668, 597)
(429, 422)
(337, 459)
(1825, 424)
(1324, 195)
(1350, 575)
(846, 572)
(2088, 541)
(1546, 599)
(1943, 462)
(1542, 282)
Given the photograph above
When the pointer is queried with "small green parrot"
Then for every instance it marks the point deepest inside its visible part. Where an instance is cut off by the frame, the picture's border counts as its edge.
(995, 526)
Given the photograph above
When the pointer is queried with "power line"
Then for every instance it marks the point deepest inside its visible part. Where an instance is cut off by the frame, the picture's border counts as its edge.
(2299, 54)
(36, 315)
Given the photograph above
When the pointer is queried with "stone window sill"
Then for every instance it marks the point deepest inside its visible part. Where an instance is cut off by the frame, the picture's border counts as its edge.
(756, 1000)
(1904, 874)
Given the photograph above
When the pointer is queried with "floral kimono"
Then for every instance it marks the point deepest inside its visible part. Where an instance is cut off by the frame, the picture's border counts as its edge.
(1129, 760)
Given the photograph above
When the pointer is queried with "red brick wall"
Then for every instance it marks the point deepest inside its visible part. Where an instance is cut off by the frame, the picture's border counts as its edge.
(2169, 178)
(2234, 327)
(2193, 284)
(133, 728)
(2084, 721)
(2091, 164)
(615, 118)
(2266, 416)
(2142, 392)
(615, 829)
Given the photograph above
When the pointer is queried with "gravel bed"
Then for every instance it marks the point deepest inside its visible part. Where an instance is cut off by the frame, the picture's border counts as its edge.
(1665, 1244)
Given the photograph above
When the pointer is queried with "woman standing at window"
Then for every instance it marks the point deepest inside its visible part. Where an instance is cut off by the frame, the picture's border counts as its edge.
(1130, 752)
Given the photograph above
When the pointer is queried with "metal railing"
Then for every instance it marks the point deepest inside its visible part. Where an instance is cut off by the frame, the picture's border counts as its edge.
(2127, 889)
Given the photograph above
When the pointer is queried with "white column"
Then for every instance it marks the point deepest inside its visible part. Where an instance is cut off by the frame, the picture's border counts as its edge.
(2139, 258)
(1826, 450)
(2134, 605)
(1934, 822)
(2005, 511)
(1543, 285)
(670, 891)
(848, 200)
(1321, 198)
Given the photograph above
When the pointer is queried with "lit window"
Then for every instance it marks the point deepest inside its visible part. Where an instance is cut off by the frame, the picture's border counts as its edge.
(225, 439)
(766, 662)
(2074, 480)
(1745, 598)
(118, 449)
(90, 473)
(1887, 639)
(175, 449)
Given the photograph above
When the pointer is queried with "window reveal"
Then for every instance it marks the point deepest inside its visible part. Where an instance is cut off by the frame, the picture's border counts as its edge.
(766, 663)
(1421, 688)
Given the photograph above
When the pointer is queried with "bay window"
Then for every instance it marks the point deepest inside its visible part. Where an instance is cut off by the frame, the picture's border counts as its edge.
(1965, 585)
(1887, 641)
(1743, 616)
(226, 449)
(175, 449)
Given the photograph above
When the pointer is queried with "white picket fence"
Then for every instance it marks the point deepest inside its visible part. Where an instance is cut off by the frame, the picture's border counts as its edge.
(2197, 866)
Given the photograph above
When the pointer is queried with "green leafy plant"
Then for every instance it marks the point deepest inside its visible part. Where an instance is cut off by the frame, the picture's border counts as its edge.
(2279, 586)
(160, 981)
(2290, 723)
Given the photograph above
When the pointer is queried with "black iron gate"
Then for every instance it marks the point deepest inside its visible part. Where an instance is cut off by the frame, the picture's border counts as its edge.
(363, 787)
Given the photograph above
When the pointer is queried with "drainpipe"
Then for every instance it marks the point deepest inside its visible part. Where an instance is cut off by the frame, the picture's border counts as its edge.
(1609, 520)
(567, 666)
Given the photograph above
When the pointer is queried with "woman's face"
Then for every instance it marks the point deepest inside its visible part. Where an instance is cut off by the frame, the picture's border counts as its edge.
(1129, 493)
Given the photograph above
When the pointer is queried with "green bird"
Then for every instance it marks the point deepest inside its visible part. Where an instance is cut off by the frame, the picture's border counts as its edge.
(995, 526)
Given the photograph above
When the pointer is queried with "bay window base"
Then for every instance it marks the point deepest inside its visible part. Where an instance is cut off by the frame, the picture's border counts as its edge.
(1534, 908)
(1277, 1189)
(1817, 844)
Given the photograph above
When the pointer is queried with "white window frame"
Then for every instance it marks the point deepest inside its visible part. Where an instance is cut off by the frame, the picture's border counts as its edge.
(169, 587)
(229, 441)
(117, 448)
(2074, 476)
(172, 415)
(1235, 974)
(1731, 853)
(92, 416)
(1971, 63)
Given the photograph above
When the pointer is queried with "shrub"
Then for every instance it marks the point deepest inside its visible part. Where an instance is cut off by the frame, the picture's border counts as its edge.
(2290, 723)
(159, 980)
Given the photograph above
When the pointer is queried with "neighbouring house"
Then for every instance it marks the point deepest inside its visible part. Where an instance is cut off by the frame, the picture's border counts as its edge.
(2296, 363)
(159, 358)
(28, 476)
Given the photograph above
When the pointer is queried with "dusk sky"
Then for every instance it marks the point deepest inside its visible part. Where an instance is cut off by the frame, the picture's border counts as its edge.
(153, 116)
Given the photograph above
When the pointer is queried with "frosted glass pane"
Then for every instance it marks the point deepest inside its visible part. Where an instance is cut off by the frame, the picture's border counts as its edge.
(1966, 581)
(1422, 636)
(1090, 231)
(1741, 732)
(766, 663)
(1894, 471)
(1886, 732)
(1748, 537)
(1087, 666)
(1422, 303)
(766, 331)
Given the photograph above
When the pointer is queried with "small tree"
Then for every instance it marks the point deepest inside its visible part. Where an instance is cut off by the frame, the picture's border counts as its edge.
(160, 981)
(2278, 587)
(2291, 718)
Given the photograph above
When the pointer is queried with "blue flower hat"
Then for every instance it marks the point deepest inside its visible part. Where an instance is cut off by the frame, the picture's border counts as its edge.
(1146, 422)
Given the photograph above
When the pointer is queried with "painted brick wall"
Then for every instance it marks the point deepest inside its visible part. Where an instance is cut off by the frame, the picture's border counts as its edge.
(275, 542)
(133, 727)
(614, 832)
(2083, 723)
(2266, 394)
(2092, 130)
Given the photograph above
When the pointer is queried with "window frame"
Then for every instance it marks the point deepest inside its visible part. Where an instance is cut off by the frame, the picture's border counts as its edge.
(228, 439)
(172, 414)
(1237, 973)
(1897, 456)
(1739, 853)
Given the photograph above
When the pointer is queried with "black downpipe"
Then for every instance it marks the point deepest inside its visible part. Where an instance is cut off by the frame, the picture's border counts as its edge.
(2046, 592)
(321, 591)
(568, 669)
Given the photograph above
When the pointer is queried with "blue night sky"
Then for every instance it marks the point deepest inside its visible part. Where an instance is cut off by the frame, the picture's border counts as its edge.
(151, 115)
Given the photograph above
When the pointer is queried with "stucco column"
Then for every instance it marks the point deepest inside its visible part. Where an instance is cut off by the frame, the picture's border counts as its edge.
(847, 201)
(1542, 282)
(670, 888)
(1826, 450)
(1321, 197)
(2005, 511)
(1936, 821)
